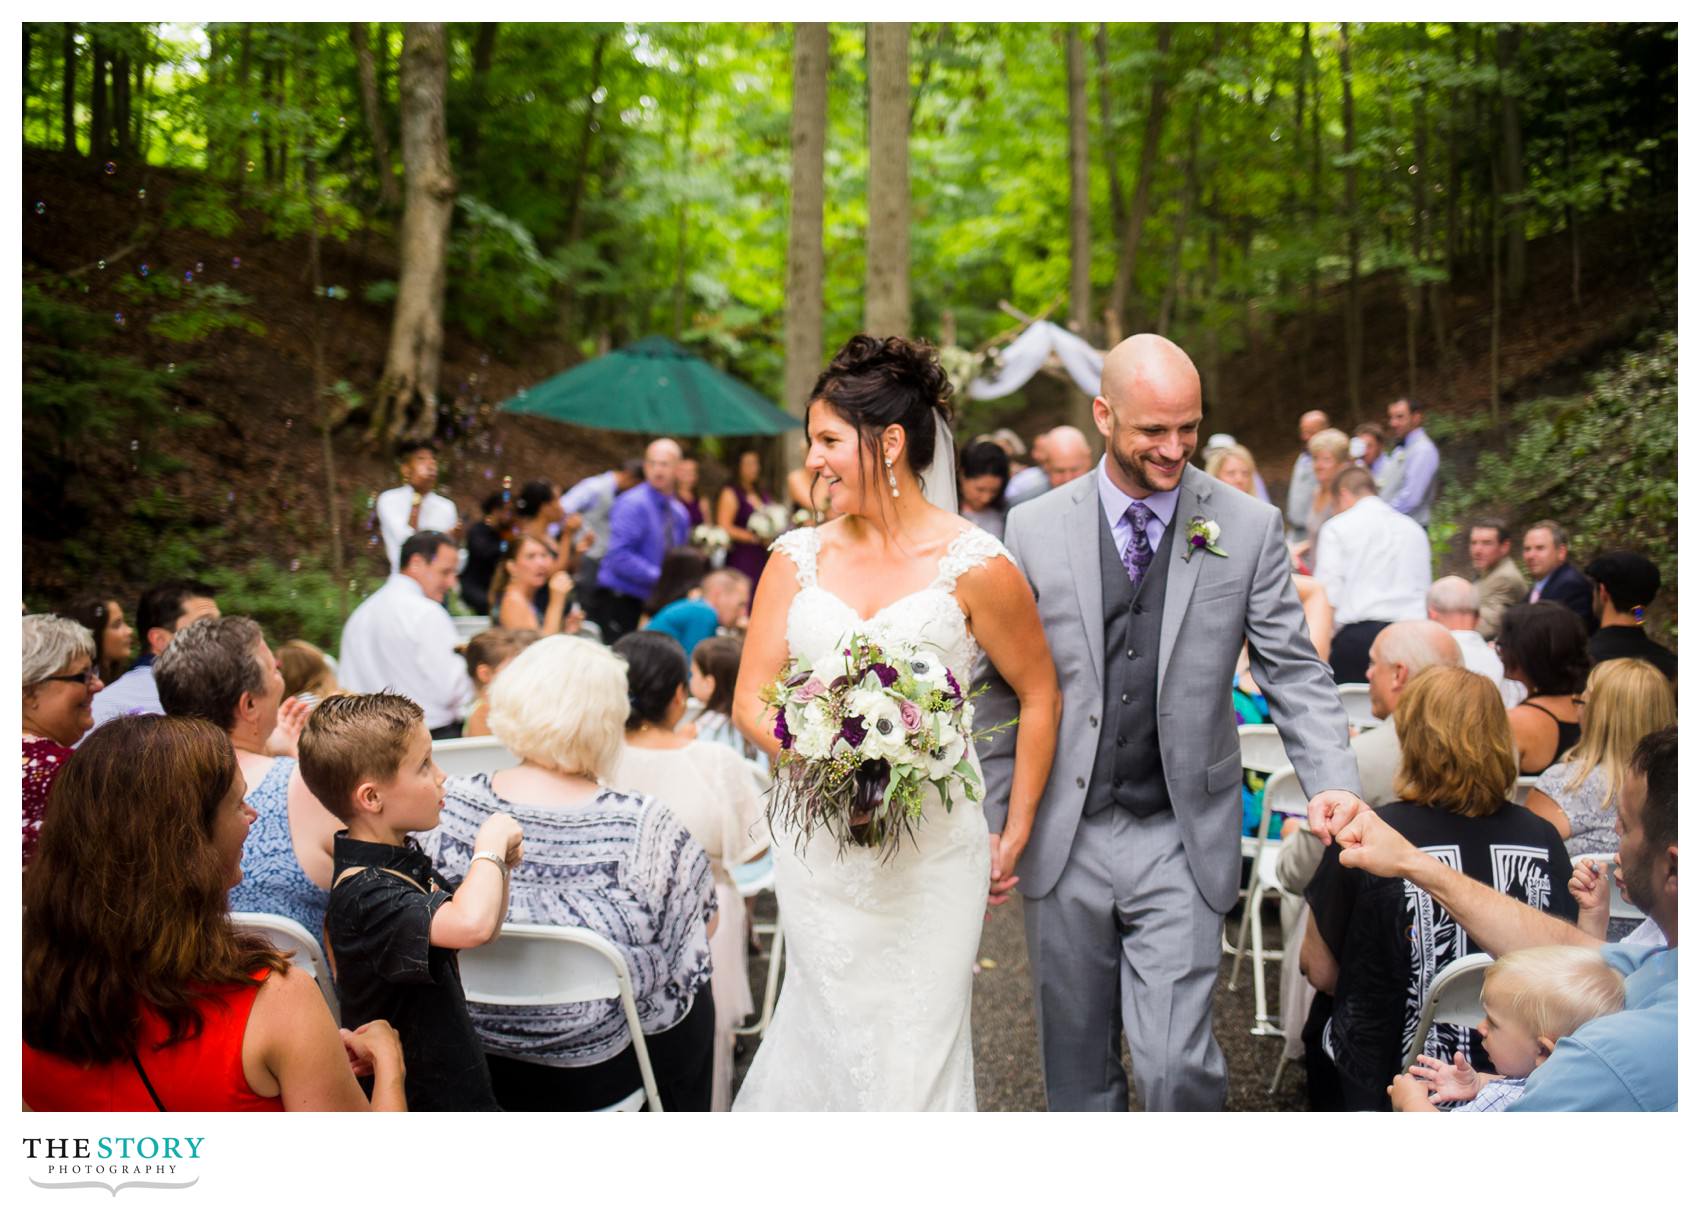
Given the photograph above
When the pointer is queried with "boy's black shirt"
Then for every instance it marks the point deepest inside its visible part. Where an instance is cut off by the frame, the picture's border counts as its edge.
(379, 930)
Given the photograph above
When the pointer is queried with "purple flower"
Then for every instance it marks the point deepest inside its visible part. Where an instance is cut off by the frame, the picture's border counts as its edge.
(853, 730)
(781, 732)
(1198, 541)
(911, 716)
(887, 674)
(955, 689)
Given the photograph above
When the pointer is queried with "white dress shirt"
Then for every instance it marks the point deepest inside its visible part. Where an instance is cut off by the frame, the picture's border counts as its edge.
(1373, 563)
(399, 640)
(1480, 658)
(436, 513)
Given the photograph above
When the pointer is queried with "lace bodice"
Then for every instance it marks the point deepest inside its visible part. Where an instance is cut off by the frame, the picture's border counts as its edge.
(931, 616)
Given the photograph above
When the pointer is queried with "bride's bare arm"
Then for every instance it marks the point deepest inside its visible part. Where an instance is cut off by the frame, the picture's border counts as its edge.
(764, 651)
(1005, 620)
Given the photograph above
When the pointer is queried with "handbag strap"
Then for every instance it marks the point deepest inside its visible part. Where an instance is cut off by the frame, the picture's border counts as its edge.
(136, 1061)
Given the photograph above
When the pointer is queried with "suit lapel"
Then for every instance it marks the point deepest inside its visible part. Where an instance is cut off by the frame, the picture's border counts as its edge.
(1183, 573)
(1084, 520)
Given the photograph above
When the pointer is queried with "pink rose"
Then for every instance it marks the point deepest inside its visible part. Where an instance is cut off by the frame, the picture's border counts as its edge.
(911, 716)
(810, 690)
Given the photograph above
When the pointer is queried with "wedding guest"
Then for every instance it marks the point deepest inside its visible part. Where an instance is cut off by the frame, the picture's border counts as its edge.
(643, 525)
(221, 670)
(617, 863)
(682, 571)
(712, 791)
(488, 654)
(1625, 584)
(722, 605)
(739, 499)
(414, 505)
(1303, 483)
(983, 475)
(1033, 480)
(1545, 648)
(714, 676)
(1499, 582)
(1416, 473)
(1330, 452)
(538, 515)
(1233, 465)
(163, 609)
(1069, 454)
(1546, 554)
(402, 639)
(685, 489)
(1624, 700)
(591, 500)
(513, 590)
(307, 672)
(394, 922)
(1451, 602)
(1374, 564)
(486, 542)
(138, 994)
(1373, 948)
(60, 678)
(1368, 448)
(113, 635)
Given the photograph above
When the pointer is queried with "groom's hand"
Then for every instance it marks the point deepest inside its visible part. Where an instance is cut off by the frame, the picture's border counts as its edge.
(1004, 879)
(1329, 812)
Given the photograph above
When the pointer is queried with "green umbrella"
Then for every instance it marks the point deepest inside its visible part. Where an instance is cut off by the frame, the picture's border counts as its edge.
(654, 386)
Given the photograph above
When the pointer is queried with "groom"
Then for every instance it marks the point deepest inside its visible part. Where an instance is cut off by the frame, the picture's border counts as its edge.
(1149, 575)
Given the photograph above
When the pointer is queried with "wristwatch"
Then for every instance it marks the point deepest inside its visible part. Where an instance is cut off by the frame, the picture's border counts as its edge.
(493, 858)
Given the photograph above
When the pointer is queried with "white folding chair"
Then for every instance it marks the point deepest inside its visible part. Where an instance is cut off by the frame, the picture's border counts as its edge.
(1520, 793)
(1261, 749)
(1354, 697)
(1455, 997)
(752, 878)
(297, 943)
(468, 626)
(470, 755)
(1282, 794)
(536, 965)
(1621, 906)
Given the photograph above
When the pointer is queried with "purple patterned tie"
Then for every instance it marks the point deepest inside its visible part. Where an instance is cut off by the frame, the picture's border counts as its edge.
(1137, 558)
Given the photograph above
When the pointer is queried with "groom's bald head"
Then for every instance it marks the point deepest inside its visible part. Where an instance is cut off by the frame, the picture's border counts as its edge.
(1149, 409)
(1148, 369)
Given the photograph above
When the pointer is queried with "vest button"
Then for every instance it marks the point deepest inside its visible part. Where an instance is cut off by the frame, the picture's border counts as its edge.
(1092, 720)
(1079, 781)
(1126, 698)
(1132, 654)
(1121, 741)
(1138, 608)
(1116, 784)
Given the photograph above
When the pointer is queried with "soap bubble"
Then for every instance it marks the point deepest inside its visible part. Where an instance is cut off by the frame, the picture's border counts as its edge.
(141, 195)
(250, 166)
(41, 208)
(111, 168)
(144, 269)
(236, 263)
(134, 445)
(294, 566)
(199, 266)
(101, 263)
(118, 319)
(188, 275)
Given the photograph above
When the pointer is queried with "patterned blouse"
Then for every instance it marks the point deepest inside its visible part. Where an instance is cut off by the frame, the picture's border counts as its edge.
(1590, 806)
(272, 879)
(44, 758)
(619, 864)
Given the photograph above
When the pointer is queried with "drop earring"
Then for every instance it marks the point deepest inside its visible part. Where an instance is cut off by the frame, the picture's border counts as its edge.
(890, 476)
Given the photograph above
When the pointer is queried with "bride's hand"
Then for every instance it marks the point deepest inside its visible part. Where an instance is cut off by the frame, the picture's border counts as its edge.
(1006, 852)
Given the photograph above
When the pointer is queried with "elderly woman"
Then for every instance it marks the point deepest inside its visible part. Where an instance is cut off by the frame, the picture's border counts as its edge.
(1544, 646)
(1330, 453)
(113, 635)
(1373, 944)
(221, 670)
(138, 995)
(713, 791)
(617, 863)
(60, 681)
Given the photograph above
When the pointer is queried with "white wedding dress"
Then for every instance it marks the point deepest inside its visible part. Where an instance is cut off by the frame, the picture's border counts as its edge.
(873, 1014)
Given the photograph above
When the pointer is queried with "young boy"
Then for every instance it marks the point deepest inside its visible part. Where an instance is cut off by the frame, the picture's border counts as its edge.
(1530, 999)
(393, 924)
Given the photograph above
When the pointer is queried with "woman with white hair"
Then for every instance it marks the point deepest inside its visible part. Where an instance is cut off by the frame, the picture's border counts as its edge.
(60, 681)
(619, 864)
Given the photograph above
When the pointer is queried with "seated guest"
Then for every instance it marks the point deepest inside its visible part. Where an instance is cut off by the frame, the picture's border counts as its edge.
(617, 863)
(714, 674)
(1546, 553)
(221, 670)
(1625, 584)
(414, 505)
(113, 635)
(401, 638)
(1499, 582)
(739, 500)
(163, 609)
(307, 673)
(60, 680)
(394, 922)
(138, 995)
(1544, 647)
(487, 654)
(682, 571)
(712, 791)
(723, 603)
(1374, 563)
(1616, 1063)
(982, 477)
(529, 568)
(1375, 948)
(486, 543)
(1531, 999)
(1452, 603)
(1623, 701)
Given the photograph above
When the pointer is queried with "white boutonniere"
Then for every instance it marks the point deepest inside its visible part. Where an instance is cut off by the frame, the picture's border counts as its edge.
(1202, 533)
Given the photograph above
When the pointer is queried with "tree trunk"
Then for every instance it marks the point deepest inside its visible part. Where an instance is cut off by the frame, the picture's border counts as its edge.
(483, 54)
(681, 236)
(1511, 143)
(68, 88)
(1354, 302)
(1079, 218)
(1497, 293)
(1118, 204)
(581, 174)
(805, 268)
(388, 196)
(1570, 209)
(100, 130)
(244, 79)
(1419, 235)
(1156, 111)
(121, 105)
(1313, 208)
(1189, 199)
(407, 396)
(887, 308)
(29, 45)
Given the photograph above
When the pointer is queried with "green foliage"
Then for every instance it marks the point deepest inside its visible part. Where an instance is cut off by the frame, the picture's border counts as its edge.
(300, 601)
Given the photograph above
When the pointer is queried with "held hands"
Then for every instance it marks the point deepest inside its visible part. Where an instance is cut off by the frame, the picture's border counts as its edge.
(1447, 1082)
(1006, 853)
(502, 834)
(370, 1042)
(1369, 843)
(1328, 813)
(291, 719)
(1409, 1095)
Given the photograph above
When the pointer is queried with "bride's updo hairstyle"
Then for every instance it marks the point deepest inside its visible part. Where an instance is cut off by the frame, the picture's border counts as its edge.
(874, 382)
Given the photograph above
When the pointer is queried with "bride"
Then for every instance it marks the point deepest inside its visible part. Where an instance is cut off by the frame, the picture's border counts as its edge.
(874, 1012)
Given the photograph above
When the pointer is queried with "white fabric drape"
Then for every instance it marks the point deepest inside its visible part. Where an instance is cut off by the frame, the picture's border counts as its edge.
(1023, 357)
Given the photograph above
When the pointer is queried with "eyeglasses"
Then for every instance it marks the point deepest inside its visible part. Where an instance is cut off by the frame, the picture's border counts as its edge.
(87, 676)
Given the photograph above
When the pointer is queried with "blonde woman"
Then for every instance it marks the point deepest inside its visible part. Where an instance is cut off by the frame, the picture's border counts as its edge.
(1625, 700)
(1330, 453)
(1233, 465)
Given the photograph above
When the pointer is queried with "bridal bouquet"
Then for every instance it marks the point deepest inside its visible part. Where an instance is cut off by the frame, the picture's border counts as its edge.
(711, 539)
(864, 729)
(770, 522)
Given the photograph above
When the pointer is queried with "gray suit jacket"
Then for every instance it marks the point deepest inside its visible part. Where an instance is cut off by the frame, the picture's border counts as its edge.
(1212, 604)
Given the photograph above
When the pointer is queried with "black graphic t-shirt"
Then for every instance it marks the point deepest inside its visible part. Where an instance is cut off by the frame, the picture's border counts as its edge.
(1390, 938)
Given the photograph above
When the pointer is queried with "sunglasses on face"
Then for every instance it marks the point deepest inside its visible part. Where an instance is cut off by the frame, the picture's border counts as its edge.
(87, 676)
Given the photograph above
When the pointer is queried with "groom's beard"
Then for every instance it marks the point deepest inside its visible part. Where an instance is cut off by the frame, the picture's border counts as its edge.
(1139, 474)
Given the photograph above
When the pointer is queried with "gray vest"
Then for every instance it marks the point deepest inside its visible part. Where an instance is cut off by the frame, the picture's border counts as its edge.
(1128, 770)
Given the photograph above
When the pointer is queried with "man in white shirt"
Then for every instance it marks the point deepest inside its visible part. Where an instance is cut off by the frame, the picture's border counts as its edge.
(1373, 563)
(1453, 604)
(414, 506)
(401, 639)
